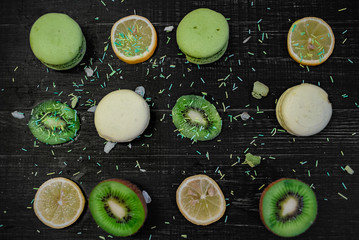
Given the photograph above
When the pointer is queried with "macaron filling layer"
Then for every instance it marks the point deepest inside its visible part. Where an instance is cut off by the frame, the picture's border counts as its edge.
(207, 60)
(279, 113)
(57, 41)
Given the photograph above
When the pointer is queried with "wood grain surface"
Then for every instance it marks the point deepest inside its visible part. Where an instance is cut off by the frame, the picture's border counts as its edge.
(159, 160)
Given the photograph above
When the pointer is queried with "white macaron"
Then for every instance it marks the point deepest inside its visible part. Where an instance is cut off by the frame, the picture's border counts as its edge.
(304, 110)
(121, 116)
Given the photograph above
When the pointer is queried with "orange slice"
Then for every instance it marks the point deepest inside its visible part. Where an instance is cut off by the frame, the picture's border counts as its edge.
(59, 202)
(310, 41)
(133, 39)
(200, 200)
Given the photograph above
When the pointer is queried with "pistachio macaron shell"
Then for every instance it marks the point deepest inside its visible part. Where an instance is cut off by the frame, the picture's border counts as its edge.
(121, 116)
(304, 110)
(57, 41)
(203, 34)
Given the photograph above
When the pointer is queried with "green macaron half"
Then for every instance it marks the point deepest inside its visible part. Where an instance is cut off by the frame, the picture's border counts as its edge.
(202, 35)
(57, 41)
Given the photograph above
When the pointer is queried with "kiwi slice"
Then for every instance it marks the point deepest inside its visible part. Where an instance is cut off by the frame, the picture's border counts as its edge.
(118, 207)
(196, 118)
(53, 122)
(288, 207)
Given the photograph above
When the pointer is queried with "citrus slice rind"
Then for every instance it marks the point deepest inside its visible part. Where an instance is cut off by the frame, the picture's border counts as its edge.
(59, 202)
(310, 41)
(200, 200)
(133, 39)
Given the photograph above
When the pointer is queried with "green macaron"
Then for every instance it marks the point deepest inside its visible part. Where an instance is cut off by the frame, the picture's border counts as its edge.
(202, 35)
(57, 41)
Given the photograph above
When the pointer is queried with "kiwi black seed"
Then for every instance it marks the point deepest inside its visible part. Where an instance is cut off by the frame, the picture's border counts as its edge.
(53, 122)
(196, 118)
(118, 207)
(288, 207)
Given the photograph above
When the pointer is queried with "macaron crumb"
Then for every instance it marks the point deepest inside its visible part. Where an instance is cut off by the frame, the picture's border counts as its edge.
(252, 160)
(168, 28)
(259, 90)
(349, 170)
(245, 116)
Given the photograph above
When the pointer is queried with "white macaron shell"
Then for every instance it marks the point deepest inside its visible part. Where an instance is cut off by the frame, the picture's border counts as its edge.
(121, 116)
(305, 110)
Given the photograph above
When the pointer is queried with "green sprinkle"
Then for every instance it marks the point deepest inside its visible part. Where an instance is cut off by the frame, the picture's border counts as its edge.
(342, 153)
(348, 169)
(350, 60)
(294, 27)
(345, 187)
(250, 53)
(331, 79)
(342, 9)
(309, 173)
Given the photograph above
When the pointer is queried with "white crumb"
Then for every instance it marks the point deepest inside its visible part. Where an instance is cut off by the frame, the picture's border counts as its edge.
(92, 109)
(168, 28)
(18, 115)
(109, 146)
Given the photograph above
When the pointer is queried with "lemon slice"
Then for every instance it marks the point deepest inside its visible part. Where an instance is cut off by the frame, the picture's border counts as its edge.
(310, 41)
(200, 200)
(133, 39)
(59, 202)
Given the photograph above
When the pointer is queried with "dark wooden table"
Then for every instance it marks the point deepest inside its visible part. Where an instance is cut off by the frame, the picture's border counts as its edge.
(160, 160)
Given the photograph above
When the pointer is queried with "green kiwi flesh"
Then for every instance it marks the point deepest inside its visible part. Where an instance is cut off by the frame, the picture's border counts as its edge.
(196, 118)
(118, 207)
(288, 207)
(53, 122)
